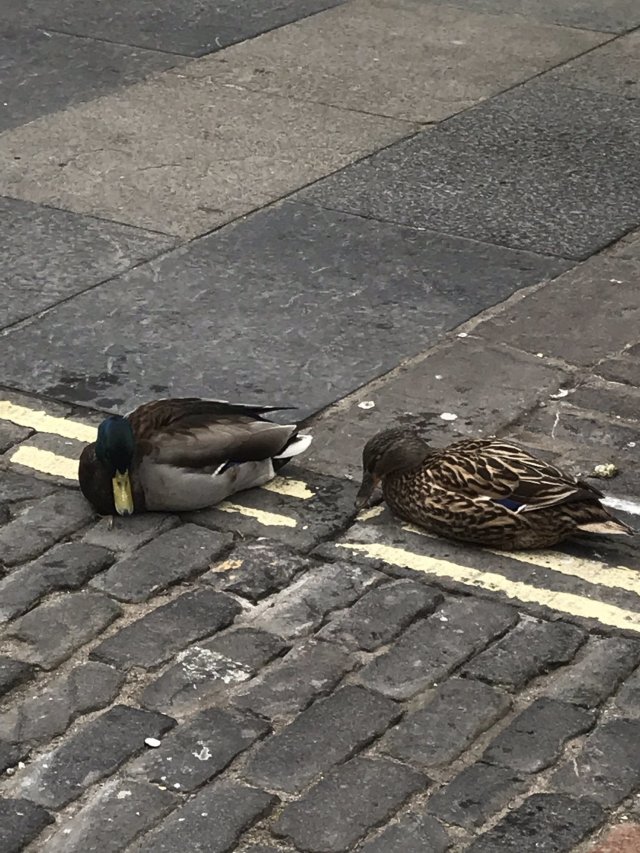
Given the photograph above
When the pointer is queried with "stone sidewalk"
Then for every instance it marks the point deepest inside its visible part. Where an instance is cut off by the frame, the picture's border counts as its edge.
(396, 211)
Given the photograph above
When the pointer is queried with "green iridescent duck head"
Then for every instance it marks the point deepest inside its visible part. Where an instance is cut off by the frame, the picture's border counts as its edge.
(115, 448)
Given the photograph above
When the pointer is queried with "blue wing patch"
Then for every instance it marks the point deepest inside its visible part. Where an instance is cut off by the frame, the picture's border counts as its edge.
(509, 503)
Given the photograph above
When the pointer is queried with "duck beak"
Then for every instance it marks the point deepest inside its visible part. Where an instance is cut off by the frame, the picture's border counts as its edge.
(369, 483)
(122, 496)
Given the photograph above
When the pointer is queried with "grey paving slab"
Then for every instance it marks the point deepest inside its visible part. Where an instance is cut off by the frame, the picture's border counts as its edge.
(613, 68)
(324, 302)
(402, 58)
(181, 26)
(49, 255)
(612, 16)
(46, 71)
(183, 156)
(544, 167)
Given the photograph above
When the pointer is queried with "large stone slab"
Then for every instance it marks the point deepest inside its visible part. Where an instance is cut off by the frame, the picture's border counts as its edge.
(544, 167)
(47, 71)
(295, 305)
(405, 59)
(183, 156)
(49, 255)
(178, 26)
(613, 68)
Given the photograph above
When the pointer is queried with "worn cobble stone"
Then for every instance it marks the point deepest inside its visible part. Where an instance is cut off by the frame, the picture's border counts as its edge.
(292, 682)
(10, 754)
(381, 614)
(11, 434)
(54, 630)
(157, 636)
(174, 556)
(112, 818)
(20, 822)
(412, 833)
(608, 767)
(16, 487)
(13, 672)
(66, 566)
(603, 664)
(457, 712)
(42, 525)
(211, 668)
(531, 648)
(211, 822)
(256, 569)
(48, 713)
(93, 752)
(325, 734)
(554, 822)
(430, 649)
(349, 801)
(535, 738)
(475, 795)
(627, 700)
(301, 607)
(198, 750)
(129, 534)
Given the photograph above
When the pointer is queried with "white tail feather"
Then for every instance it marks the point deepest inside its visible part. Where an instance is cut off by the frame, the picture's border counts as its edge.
(298, 445)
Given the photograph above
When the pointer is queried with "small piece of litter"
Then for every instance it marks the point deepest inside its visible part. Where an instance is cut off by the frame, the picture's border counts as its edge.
(176, 784)
(122, 795)
(540, 354)
(463, 335)
(562, 392)
(615, 281)
(153, 742)
(366, 404)
(448, 416)
(605, 472)
(631, 444)
(438, 376)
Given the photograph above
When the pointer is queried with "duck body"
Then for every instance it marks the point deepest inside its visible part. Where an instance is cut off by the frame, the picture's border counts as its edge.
(183, 454)
(486, 492)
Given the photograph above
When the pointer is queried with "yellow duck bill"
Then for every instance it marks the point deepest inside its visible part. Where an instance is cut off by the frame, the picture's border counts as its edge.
(122, 495)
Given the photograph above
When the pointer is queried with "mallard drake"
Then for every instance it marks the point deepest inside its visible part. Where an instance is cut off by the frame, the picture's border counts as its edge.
(485, 491)
(183, 454)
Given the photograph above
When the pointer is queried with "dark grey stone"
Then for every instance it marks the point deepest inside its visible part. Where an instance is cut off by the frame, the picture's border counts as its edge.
(360, 295)
(623, 369)
(413, 833)
(436, 733)
(347, 803)
(20, 822)
(291, 683)
(44, 72)
(117, 813)
(66, 566)
(431, 648)
(381, 614)
(11, 434)
(531, 169)
(174, 556)
(15, 487)
(93, 752)
(13, 672)
(41, 525)
(325, 734)
(48, 713)
(166, 630)
(612, 68)
(555, 821)
(10, 754)
(595, 676)
(627, 700)
(128, 534)
(475, 795)
(256, 569)
(535, 738)
(198, 750)
(54, 630)
(611, 400)
(74, 254)
(210, 669)
(210, 822)
(530, 649)
(608, 768)
(176, 26)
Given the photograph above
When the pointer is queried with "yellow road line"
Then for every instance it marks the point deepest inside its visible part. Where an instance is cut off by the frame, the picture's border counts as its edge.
(576, 605)
(371, 512)
(290, 488)
(42, 422)
(45, 461)
(270, 519)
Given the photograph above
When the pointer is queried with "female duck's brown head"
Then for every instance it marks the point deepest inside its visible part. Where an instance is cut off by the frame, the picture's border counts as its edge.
(389, 452)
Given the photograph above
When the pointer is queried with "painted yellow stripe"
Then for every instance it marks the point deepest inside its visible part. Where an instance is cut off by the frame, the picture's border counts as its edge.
(289, 488)
(270, 519)
(45, 461)
(576, 605)
(372, 512)
(42, 422)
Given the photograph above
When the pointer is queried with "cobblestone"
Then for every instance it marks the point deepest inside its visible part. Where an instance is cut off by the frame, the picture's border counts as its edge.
(627, 700)
(11, 434)
(602, 666)
(66, 566)
(257, 569)
(20, 822)
(349, 801)
(171, 557)
(129, 534)
(475, 795)
(535, 738)
(327, 733)
(55, 629)
(621, 839)
(413, 833)
(157, 636)
(13, 672)
(453, 716)
(16, 487)
(430, 649)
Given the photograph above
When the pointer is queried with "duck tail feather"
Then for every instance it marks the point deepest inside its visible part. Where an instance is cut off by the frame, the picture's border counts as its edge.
(298, 444)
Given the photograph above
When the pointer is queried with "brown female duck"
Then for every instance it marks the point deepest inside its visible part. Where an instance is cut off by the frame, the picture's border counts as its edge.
(485, 491)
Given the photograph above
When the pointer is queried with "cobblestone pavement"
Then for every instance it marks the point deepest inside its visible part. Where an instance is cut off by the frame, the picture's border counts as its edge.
(383, 211)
